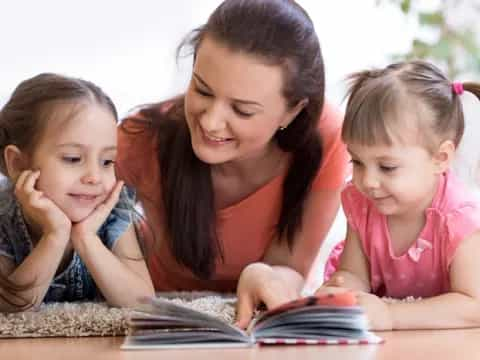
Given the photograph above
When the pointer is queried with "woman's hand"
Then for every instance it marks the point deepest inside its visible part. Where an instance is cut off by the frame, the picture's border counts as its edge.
(38, 208)
(259, 283)
(89, 226)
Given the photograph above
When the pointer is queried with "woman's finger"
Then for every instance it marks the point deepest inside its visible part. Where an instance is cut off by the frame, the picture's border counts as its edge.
(245, 308)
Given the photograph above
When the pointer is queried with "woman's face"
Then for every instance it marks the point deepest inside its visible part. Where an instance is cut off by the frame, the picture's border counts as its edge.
(234, 104)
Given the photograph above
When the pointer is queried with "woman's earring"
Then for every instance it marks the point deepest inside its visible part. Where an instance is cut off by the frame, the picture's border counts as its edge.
(281, 128)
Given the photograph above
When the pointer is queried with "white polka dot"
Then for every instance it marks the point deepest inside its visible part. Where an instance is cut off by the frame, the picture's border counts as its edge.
(403, 276)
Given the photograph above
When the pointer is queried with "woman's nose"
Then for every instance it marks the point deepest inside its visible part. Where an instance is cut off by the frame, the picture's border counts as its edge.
(213, 119)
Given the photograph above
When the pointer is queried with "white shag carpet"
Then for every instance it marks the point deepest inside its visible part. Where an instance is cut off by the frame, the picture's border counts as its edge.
(97, 319)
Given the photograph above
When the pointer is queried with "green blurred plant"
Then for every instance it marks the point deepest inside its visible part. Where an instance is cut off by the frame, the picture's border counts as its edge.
(455, 49)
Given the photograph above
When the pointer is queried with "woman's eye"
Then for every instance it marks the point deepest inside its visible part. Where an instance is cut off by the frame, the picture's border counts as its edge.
(355, 162)
(202, 92)
(71, 159)
(242, 113)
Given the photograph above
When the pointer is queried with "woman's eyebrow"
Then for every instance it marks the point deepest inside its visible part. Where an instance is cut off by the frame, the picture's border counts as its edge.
(241, 101)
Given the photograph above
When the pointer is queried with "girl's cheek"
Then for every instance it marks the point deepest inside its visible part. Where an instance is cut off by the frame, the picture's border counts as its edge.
(111, 183)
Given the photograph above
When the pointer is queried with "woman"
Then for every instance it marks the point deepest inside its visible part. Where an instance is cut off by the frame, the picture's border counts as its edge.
(239, 178)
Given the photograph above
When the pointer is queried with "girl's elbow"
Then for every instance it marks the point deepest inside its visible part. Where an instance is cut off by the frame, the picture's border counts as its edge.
(473, 316)
(132, 299)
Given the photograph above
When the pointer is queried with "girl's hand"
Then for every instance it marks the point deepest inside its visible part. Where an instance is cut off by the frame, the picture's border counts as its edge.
(258, 284)
(335, 285)
(89, 226)
(38, 208)
(377, 311)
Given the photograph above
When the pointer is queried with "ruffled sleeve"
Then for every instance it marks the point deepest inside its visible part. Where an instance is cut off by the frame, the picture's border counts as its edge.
(460, 224)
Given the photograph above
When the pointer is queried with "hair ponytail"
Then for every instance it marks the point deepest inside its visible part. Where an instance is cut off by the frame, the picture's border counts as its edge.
(473, 88)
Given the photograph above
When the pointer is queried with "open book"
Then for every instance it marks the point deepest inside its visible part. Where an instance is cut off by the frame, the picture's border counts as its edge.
(328, 319)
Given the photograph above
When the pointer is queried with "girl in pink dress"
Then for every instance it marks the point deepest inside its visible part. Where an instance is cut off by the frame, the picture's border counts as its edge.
(413, 230)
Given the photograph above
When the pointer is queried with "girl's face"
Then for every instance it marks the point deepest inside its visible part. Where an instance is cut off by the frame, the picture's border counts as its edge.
(399, 179)
(234, 104)
(75, 156)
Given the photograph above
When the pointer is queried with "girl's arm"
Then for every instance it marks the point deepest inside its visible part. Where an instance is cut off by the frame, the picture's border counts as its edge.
(460, 308)
(121, 275)
(353, 272)
(34, 274)
(37, 270)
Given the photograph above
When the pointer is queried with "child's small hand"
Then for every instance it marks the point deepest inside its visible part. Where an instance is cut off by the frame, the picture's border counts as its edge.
(89, 226)
(333, 286)
(38, 208)
(258, 284)
(377, 311)
(337, 281)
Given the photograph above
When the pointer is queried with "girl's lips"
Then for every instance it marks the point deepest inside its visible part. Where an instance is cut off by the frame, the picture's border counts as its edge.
(381, 199)
(84, 196)
(84, 199)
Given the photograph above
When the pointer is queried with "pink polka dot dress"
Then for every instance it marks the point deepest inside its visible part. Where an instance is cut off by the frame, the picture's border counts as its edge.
(422, 270)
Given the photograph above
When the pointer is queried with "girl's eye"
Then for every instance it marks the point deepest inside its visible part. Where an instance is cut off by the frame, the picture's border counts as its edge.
(242, 113)
(202, 92)
(108, 163)
(355, 162)
(386, 168)
(71, 159)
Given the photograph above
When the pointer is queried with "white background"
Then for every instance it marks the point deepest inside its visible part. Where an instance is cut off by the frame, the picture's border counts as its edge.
(128, 47)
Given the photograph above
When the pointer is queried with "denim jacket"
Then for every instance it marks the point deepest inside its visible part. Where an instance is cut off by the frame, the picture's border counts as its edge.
(74, 282)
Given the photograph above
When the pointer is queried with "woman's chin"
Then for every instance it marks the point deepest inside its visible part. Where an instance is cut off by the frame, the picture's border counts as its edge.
(210, 156)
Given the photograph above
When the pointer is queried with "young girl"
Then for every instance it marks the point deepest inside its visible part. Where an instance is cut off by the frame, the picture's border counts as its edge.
(412, 229)
(61, 235)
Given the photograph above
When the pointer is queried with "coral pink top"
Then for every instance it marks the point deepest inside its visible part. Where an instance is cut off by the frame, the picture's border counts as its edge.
(423, 270)
(245, 230)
